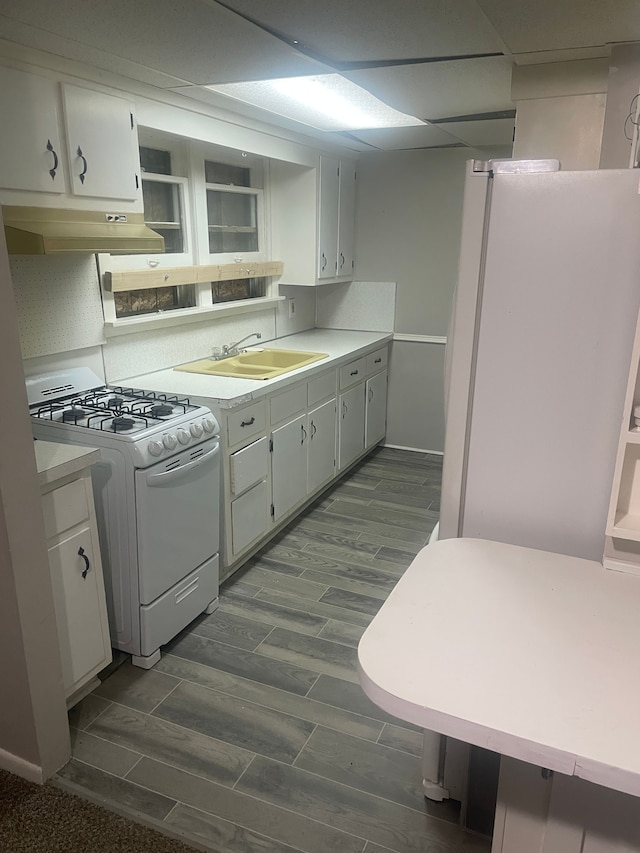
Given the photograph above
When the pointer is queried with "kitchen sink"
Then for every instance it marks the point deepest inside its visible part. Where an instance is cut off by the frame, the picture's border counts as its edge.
(256, 364)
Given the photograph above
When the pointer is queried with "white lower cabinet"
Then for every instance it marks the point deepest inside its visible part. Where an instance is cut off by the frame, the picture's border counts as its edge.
(248, 492)
(362, 406)
(375, 409)
(249, 518)
(351, 440)
(289, 465)
(282, 449)
(78, 585)
(303, 457)
(321, 451)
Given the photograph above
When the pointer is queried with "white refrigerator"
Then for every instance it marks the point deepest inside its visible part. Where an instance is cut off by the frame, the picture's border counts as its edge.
(538, 354)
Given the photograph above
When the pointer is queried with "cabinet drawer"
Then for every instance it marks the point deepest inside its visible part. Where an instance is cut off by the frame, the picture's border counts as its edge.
(246, 422)
(288, 403)
(249, 465)
(64, 507)
(249, 517)
(353, 372)
(377, 360)
(321, 388)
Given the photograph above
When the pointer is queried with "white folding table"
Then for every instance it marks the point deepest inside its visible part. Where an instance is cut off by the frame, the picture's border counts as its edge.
(530, 654)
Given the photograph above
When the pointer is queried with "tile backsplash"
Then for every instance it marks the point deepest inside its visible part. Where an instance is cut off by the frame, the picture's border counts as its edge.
(359, 305)
(58, 303)
(61, 320)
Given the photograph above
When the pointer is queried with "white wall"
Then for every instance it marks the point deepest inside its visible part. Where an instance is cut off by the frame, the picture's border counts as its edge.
(560, 111)
(34, 734)
(409, 208)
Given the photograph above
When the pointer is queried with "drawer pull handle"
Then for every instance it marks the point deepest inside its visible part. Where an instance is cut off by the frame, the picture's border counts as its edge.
(248, 423)
(354, 373)
(87, 564)
(303, 434)
(54, 168)
(377, 361)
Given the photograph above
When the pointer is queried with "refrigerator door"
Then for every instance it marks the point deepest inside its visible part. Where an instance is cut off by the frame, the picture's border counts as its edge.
(540, 394)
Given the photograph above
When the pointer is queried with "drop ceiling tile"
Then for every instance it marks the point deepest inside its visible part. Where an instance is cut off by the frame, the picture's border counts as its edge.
(191, 40)
(391, 138)
(442, 89)
(482, 133)
(562, 24)
(37, 39)
(378, 29)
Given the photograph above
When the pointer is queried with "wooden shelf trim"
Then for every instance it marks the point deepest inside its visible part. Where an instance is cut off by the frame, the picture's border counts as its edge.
(117, 282)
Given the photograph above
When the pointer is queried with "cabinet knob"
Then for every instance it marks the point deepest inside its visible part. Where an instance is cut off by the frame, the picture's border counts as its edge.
(87, 564)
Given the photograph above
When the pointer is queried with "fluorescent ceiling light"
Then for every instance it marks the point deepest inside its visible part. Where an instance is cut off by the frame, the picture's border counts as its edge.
(324, 101)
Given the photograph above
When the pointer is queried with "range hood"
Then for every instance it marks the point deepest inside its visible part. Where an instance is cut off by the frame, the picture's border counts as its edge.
(50, 231)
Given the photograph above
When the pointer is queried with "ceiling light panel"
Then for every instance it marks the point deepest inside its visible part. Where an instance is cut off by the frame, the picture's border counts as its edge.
(327, 102)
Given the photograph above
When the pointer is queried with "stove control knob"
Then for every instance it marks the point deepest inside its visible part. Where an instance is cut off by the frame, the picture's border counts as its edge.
(196, 430)
(170, 441)
(208, 424)
(183, 436)
(155, 448)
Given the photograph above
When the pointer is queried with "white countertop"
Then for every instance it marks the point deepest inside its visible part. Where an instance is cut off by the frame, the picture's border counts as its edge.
(526, 653)
(55, 461)
(340, 345)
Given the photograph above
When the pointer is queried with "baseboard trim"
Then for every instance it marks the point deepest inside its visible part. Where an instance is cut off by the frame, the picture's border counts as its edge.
(20, 767)
(415, 449)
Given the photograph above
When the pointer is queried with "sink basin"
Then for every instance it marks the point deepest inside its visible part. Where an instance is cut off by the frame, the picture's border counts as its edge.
(260, 364)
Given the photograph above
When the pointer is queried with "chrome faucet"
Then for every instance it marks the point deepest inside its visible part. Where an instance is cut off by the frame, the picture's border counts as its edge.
(232, 349)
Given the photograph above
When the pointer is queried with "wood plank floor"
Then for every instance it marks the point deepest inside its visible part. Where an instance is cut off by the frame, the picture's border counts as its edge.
(252, 732)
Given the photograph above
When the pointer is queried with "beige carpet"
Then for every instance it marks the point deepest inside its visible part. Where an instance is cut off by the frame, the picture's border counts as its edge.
(45, 819)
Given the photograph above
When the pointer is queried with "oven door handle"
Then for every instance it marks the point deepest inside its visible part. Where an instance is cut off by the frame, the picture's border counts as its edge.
(176, 473)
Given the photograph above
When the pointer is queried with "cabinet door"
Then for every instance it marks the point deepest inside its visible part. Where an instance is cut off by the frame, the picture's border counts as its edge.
(328, 201)
(79, 604)
(289, 465)
(346, 218)
(103, 145)
(376, 409)
(30, 153)
(321, 459)
(351, 408)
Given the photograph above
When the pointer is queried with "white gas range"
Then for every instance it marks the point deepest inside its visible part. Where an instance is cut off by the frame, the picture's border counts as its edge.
(157, 496)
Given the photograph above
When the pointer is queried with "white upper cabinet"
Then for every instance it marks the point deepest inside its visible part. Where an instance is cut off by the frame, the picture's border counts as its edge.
(336, 218)
(346, 219)
(313, 220)
(30, 148)
(71, 141)
(328, 213)
(102, 144)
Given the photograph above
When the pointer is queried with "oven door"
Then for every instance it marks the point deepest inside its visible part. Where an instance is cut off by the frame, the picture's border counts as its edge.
(178, 517)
